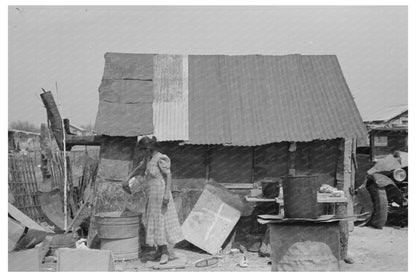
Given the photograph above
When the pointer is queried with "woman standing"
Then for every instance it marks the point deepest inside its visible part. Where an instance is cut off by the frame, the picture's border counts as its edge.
(160, 218)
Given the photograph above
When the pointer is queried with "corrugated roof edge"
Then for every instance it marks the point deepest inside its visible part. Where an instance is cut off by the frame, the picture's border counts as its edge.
(254, 145)
(363, 128)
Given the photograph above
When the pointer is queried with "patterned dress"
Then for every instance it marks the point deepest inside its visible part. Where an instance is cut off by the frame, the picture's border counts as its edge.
(161, 228)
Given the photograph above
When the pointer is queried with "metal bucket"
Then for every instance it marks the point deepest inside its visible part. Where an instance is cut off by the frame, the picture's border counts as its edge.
(270, 187)
(122, 249)
(117, 227)
(300, 196)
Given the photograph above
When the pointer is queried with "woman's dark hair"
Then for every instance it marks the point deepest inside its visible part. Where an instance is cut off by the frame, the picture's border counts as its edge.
(147, 143)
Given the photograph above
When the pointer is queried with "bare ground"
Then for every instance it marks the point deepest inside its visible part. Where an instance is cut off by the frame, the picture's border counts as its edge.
(371, 249)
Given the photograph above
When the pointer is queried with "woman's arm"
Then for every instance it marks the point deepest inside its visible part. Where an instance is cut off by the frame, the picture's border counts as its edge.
(126, 184)
(166, 195)
(168, 186)
(164, 165)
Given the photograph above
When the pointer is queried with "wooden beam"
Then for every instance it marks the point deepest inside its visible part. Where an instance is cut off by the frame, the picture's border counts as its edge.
(44, 152)
(54, 117)
(72, 140)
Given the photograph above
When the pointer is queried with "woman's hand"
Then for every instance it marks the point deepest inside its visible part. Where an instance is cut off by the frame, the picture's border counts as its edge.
(126, 187)
(166, 199)
(165, 203)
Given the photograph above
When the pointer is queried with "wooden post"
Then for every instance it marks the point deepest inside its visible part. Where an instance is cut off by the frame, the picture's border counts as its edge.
(207, 161)
(292, 159)
(53, 116)
(253, 152)
(341, 210)
(44, 152)
(348, 179)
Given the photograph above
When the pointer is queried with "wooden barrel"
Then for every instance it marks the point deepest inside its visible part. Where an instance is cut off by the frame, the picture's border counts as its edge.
(122, 249)
(117, 227)
(300, 196)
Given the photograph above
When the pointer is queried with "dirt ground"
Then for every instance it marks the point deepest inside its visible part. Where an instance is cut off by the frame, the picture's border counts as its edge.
(371, 249)
(378, 250)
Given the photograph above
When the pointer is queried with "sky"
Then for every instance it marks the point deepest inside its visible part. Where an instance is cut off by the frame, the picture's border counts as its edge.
(62, 49)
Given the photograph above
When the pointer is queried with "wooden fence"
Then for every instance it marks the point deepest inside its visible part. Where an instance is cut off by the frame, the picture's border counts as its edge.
(23, 185)
(25, 175)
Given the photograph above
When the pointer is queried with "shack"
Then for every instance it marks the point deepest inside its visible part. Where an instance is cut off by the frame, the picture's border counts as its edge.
(23, 140)
(390, 117)
(233, 119)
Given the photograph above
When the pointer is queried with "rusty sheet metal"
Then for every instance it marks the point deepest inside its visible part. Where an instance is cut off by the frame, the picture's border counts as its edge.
(122, 66)
(128, 120)
(126, 96)
(170, 90)
(233, 100)
(126, 91)
(255, 100)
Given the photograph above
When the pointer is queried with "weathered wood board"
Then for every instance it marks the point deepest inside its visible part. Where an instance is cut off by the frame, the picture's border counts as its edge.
(33, 233)
(84, 260)
(209, 223)
(24, 260)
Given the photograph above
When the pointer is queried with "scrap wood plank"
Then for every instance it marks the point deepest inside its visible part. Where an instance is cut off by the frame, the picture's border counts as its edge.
(16, 231)
(33, 232)
(24, 260)
(258, 199)
(209, 223)
(238, 185)
(83, 213)
(267, 219)
(84, 260)
(321, 198)
(52, 208)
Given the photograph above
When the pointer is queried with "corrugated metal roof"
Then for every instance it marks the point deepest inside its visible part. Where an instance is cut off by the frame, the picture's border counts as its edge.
(170, 90)
(386, 114)
(254, 100)
(234, 100)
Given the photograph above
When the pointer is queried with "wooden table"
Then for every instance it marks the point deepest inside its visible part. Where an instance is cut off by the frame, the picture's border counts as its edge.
(305, 246)
(322, 198)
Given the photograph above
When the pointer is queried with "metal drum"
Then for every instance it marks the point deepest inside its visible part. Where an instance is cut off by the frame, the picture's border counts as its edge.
(300, 196)
(117, 227)
(122, 249)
